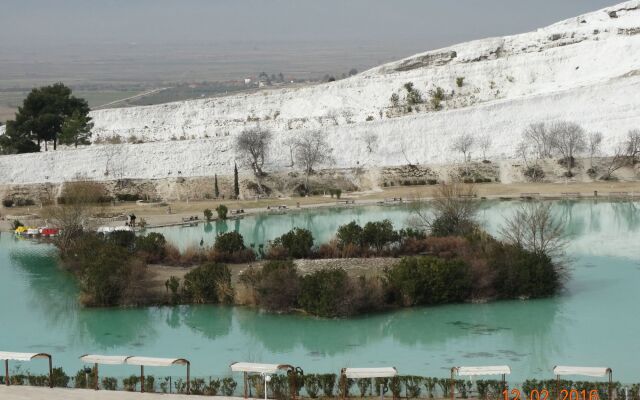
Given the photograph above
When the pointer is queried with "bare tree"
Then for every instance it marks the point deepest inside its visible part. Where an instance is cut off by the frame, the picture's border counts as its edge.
(533, 228)
(370, 140)
(594, 142)
(540, 138)
(252, 145)
(618, 160)
(463, 144)
(523, 150)
(633, 145)
(312, 150)
(485, 142)
(569, 140)
(403, 149)
(291, 145)
(451, 212)
(72, 215)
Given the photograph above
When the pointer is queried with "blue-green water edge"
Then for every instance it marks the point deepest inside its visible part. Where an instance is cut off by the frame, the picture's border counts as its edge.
(594, 322)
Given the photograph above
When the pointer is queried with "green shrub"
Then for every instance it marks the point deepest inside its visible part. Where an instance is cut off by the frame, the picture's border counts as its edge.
(228, 386)
(312, 385)
(213, 388)
(209, 283)
(297, 242)
(229, 242)
(460, 81)
(222, 211)
(128, 197)
(208, 214)
(413, 95)
(172, 285)
(437, 96)
(451, 225)
(126, 239)
(350, 233)
(152, 245)
(428, 280)
(520, 273)
(322, 292)
(7, 203)
(278, 286)
(328, 384)
(109, 383)
(60, 378)
(364, 386)
(84, 380)
(379, 234)
(535, 173)
(16, 224)
(131, 383)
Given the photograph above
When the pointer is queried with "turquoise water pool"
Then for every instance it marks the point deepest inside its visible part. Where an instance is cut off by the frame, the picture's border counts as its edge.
(594, 322)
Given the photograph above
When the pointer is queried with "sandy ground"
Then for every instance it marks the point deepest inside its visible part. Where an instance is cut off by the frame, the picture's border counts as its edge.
(38, 393)
(156, 215)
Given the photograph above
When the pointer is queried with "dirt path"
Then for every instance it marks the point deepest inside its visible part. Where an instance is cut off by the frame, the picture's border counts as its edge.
(158, 215)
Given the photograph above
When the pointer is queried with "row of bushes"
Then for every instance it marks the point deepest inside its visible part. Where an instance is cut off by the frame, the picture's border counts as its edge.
(18, 202)
(325, 386)
(415, 182)
(478, 180)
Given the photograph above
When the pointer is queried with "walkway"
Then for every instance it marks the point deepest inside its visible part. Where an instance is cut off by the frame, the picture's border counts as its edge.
(39, 393)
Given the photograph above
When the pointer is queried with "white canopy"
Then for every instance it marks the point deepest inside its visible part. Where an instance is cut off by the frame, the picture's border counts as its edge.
(488, 370)
(258, 368)
(156, 362)
(106, 360)
(384, 372)
(5, 355)
(133, 360)
(585, 371)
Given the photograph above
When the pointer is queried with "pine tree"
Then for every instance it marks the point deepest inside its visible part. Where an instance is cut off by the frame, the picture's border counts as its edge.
(236, 185)
(216, 191)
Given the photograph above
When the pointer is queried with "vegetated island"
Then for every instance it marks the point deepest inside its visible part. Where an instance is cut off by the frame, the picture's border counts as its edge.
(446, 259)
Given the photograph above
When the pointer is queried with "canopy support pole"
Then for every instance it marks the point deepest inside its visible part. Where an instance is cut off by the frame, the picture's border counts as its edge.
(557, 387)
(343, 377)
(50, 373)
(504, 382)
(188, 378)
(245, 385)
(610, 384)
(453, 385)
(142, 379)
(95, 367)
(6, 372)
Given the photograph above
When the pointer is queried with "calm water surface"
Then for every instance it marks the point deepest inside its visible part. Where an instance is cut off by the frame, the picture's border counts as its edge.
(595, 322)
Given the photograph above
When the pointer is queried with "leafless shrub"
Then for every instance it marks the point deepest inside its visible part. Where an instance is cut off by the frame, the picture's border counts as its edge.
(594, 142)
(485, 142)
(312, 150)
(370, 140)
(539, 137)
(72, 216)
(633, 145)
(533, 228)
(452, 211)
(569, 139)
(463, 144)
(253, 145)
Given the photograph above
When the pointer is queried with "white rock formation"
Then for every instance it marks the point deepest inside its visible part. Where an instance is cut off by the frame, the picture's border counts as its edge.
(585, 69)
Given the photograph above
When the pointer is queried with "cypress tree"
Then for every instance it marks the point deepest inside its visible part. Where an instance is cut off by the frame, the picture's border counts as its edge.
(216, 191)
(236, 186)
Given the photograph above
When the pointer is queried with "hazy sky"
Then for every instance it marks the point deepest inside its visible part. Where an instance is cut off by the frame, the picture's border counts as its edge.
(34, 23)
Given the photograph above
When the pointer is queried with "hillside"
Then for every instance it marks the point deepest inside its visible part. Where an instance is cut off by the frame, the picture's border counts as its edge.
(585, 69)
